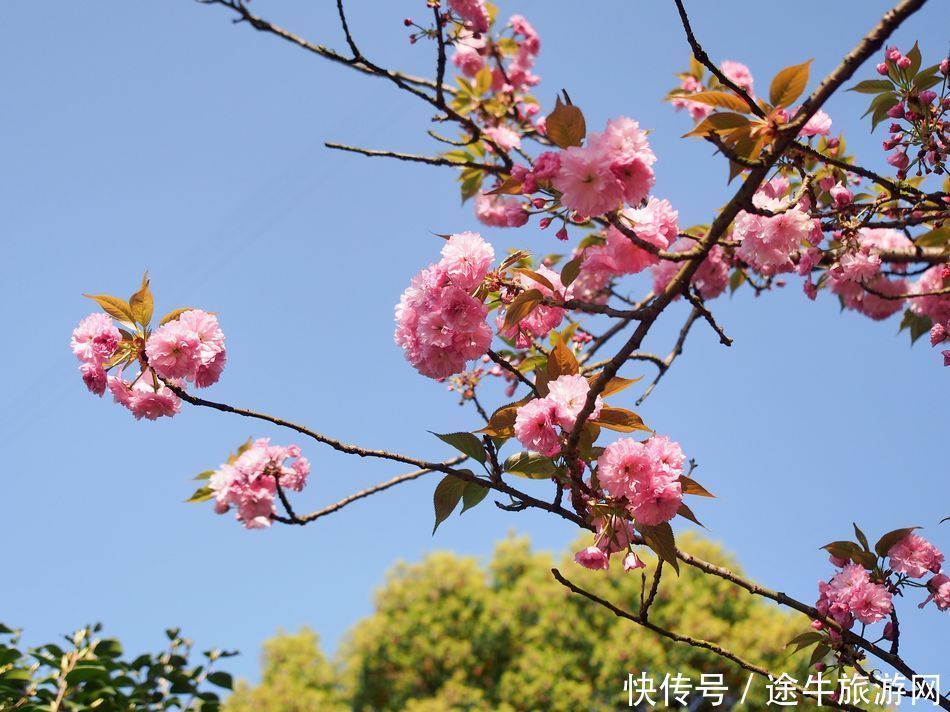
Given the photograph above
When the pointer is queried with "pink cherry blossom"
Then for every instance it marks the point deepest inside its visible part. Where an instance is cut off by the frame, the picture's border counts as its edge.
(587, 184)
(473, 13)
(710, 280)
(543, 318)
(174, 350)
(500, 210)
(697, 110)
(466, 259)
(738, 73)
(818, 125)
(593, 558)
(646, 475)
(95, 339)
(146, 396)
(935, 306)
(632, 562)
(249, 483)
(939, 587)
(569, 394)
(94, 376)
(536, 426)
(915, 556)
(850, 595)
(767, 243)
(468, 56)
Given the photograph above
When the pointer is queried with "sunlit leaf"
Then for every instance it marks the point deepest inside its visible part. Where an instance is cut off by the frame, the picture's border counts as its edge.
(789, 84)
(565, 125)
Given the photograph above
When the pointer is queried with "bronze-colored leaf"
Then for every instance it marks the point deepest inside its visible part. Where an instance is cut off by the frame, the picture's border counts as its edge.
(885, 543)
(561, 361)
(521, 306)
(722, 122)
(565, 125)
(141, 303)
(720, 99)
(789, 84)
(691, 486)
(539, 278)
(118, 309)
(660, 539)
(620, 419)
(174, 314)
(502, 422)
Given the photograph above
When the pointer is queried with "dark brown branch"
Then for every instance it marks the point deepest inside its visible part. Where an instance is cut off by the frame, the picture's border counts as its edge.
(700, 306)
(505, 364)
(654, 589)
(414, 158)
(677, 350)
(679, 638)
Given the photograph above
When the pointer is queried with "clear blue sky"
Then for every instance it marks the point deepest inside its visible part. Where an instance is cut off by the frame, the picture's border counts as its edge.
(157, 135)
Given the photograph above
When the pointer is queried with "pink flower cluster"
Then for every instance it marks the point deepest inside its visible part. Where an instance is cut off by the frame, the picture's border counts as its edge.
(645, 475)
(768, 242)
(860, 267)
(439, 324)
(851, 595)
(613, 167)
(189, 348)
(145, 395)
(612, 536)
(915, 556)
(249, 483)
(934, 306)
(735, 71)
(543, 318)
(94, 342)
(542, 423)
(473, 13)
(656, 223)
(710, 280)
(500, 210)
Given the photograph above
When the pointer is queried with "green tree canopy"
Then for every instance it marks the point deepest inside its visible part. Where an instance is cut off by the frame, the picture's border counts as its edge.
(449, 633)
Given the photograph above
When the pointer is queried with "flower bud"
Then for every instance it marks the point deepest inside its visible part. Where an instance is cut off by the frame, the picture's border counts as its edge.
(903, 62)
(882, 69)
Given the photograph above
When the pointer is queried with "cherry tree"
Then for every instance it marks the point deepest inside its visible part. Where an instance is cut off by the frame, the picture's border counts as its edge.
(562, 336)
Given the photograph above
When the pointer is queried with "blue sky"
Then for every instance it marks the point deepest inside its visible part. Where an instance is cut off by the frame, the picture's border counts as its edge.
(157, 135)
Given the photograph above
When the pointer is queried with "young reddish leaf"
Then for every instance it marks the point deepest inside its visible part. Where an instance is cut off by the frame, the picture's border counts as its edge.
(521, 306)
(722, 122)
(660, 539)
(720, 99)
(510, 186)
(174, 314)
(113, 306)
(561, 361)
(691, 486)
(620, 419)
(565, 125)
(789, 84)
(446, 497)
(502, 422)
(465, 443)
(539, 278)
(885, 543)
(141, 303)
(615, 384)
(685, 511)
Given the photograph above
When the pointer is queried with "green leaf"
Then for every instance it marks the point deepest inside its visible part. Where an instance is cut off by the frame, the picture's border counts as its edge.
(918, 324)
(818, 654)
(446, 497)
(221, 679)
(570, 271)
(206, 475)
(202, 494)
(885, 543)
(804, 640)
(914, 56)
(736, 279)
(472, 495)
(113, 306)
(531, 465)
(872, 86)
(660, 539)
(465, 443)
(566, 126)
(935, 238)
(141, 303)
(789, 84)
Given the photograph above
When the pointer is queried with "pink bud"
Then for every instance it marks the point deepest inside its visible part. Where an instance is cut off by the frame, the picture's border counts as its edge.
(889, 631)
(945, 66)
(927, 96)
(841, 195)
(833, 143)
(903, 62)
(538, 203)
(817, 625)
(632, 562)
(899, 160)
(544, 223)
(896, 111)
(407, 22)
(894, 128)
(820, 667)
(562, 234)
(882, 69)
(892, 54)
